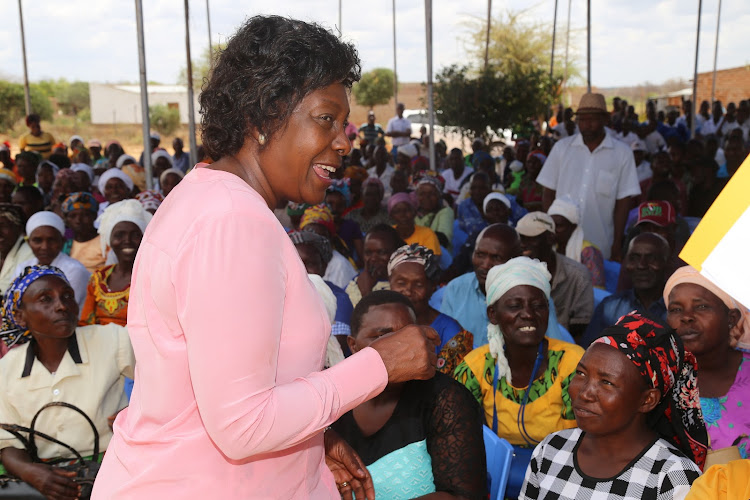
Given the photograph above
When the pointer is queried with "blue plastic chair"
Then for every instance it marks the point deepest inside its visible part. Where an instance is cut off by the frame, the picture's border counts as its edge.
(600, 295)
(611, 275)
(499, 455)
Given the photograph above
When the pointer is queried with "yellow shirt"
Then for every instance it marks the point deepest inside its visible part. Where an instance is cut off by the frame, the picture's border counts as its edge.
(549, 407)
(90, 376)
(42, 144)
(723, 482)
(425, 237)
(88, 253)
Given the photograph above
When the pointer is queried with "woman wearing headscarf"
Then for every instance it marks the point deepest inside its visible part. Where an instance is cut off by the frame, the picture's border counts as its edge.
(121, 229)
(45, 235)
(641, 433)
(66, 182)
(338, 199)
(402, 208)
(169, 179)
(230, 400)
(716, 329)
(150, 199)
(8, 183)
(80, 210)
(372, 212)
(570, 239)
(115, 185)
(432, 211)
(414, 271)
(521, 378)
(341, 269)
(13, 246)
(55, 361)
(334, 352)
(497, 209)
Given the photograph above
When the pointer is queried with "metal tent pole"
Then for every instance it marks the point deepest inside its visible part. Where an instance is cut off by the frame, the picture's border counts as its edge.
(144, 96)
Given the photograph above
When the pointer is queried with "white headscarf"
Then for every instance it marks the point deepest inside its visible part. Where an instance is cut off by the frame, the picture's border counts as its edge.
(122, 159)
(495, 196)
(179, 173)
(160, 153)
(82, 167)
(125, 210)
(334, 354)
(569, 209)
(501, 279)
(114, 172)
(40, 219)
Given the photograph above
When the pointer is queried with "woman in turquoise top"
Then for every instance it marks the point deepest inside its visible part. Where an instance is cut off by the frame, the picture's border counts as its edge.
(432, 211)
(421, 438)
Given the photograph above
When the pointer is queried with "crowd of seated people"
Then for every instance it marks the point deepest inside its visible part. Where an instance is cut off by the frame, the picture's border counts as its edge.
(516, 271)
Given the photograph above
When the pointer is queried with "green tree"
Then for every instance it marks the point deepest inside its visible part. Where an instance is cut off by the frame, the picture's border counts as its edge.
(71, 97)
(201, 68)
(12, 104)
(492, 101)
(163, 118)
(375, 87)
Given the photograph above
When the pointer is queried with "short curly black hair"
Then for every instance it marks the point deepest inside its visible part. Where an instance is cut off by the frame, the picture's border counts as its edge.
(269, 65)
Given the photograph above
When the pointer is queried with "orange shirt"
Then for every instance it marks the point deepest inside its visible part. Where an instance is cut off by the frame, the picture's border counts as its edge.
(103, 306)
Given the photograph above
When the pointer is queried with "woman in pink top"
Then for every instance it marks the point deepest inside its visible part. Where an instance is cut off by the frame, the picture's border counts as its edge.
(229, 334)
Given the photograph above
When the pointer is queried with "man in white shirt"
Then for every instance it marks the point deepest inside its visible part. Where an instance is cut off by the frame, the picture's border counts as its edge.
(455, 174)
(730, 120)
(713, 125)
(398, 129)
(598, 172)
(642, 166)
(567, 127)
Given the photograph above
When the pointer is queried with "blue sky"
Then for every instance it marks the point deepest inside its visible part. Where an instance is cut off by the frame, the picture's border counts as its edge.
(633, 40)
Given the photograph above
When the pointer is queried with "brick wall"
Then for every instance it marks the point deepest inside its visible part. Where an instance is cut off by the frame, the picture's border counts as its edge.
(732, 85)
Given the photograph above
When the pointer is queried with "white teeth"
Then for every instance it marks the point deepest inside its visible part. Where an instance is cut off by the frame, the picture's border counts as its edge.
(527, 329)
(328, 168)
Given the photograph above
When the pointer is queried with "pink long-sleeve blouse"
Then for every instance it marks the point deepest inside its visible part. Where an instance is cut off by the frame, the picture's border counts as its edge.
(229, 336)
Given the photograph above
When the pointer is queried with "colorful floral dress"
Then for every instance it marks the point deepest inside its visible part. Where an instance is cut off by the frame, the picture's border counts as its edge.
(102, 305)
(728, 417)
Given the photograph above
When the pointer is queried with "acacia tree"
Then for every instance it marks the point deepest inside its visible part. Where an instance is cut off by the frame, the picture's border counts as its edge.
(375, 87)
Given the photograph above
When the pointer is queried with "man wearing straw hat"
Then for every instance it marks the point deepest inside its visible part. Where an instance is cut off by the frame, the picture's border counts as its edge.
(598, 172)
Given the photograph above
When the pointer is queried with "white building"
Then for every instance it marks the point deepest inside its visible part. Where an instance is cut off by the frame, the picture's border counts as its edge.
(122, 103)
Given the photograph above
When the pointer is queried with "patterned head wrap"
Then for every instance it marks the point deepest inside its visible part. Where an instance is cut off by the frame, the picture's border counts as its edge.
(662, 361)
(566, 207)
(318, 214)
(401, 198)
(430, 178)
(321, 244)
(686, 274)
(342, 187)
(14, 214)
(122, 211)
(8, 175)
(296, 209)
(418, 254)
(78, 200)
(501, 279)
(374, 181)
(150, 199)
(356, 173)
(539, 155)
(65, 174)
(11, 332)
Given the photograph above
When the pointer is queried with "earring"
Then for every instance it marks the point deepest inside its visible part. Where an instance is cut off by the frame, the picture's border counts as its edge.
(261, 139)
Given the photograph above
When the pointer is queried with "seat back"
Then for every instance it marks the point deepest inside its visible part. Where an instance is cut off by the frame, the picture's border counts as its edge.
(611, 275)
(499, 455)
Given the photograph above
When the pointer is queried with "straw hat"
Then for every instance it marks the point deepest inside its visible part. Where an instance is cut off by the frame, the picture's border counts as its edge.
(592, 103)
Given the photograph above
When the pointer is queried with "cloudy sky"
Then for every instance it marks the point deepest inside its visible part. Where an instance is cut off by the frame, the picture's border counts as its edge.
(95, 40)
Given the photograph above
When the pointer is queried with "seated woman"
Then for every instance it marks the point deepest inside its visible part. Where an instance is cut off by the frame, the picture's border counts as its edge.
(432, 211)
(45, 178)
(497, 209)
(319, 219)
(640, 434)
(169, 179)
(115, 185)
(66, 183)
(79, 211)
(372, 212)
(402, 207)
(380, 243)
(150, 199)
(521, 377)
(85, 367)
(413, 271)
(710, 323)
(570, 239)
(13, 246)
(530, 192)
(338, 199)
(29, 198)
(45, 232)
(422, 438)
(723, 482)
(121, 228)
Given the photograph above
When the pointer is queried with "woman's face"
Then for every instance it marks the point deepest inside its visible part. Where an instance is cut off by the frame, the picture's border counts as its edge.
(115, 190)
(26, 169)
(299, 161)
(9, 234)
(377, 252)
(80, 220)
(45, 177)
(428, 198)
(699, 317)
(533, 166)
(29, 206)
(6, 191)
(46, 243)
(371, 198)
(403, 215)
(378, 321)
(479, 189)
(496, 212)
(563, 230)
(410, 280)
(125, 240)
(49, 308)
(170, 181)
(83, 181)
(522, 314)
(607, 392)
(337, 203)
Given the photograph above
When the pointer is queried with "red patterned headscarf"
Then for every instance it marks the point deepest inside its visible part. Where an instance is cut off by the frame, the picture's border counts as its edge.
(658, 354)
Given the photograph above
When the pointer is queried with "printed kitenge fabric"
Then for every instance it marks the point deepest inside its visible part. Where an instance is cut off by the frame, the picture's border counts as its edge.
(549, 406)
(663, 362)
(659, 472)
(103, 306)
(728, 417)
